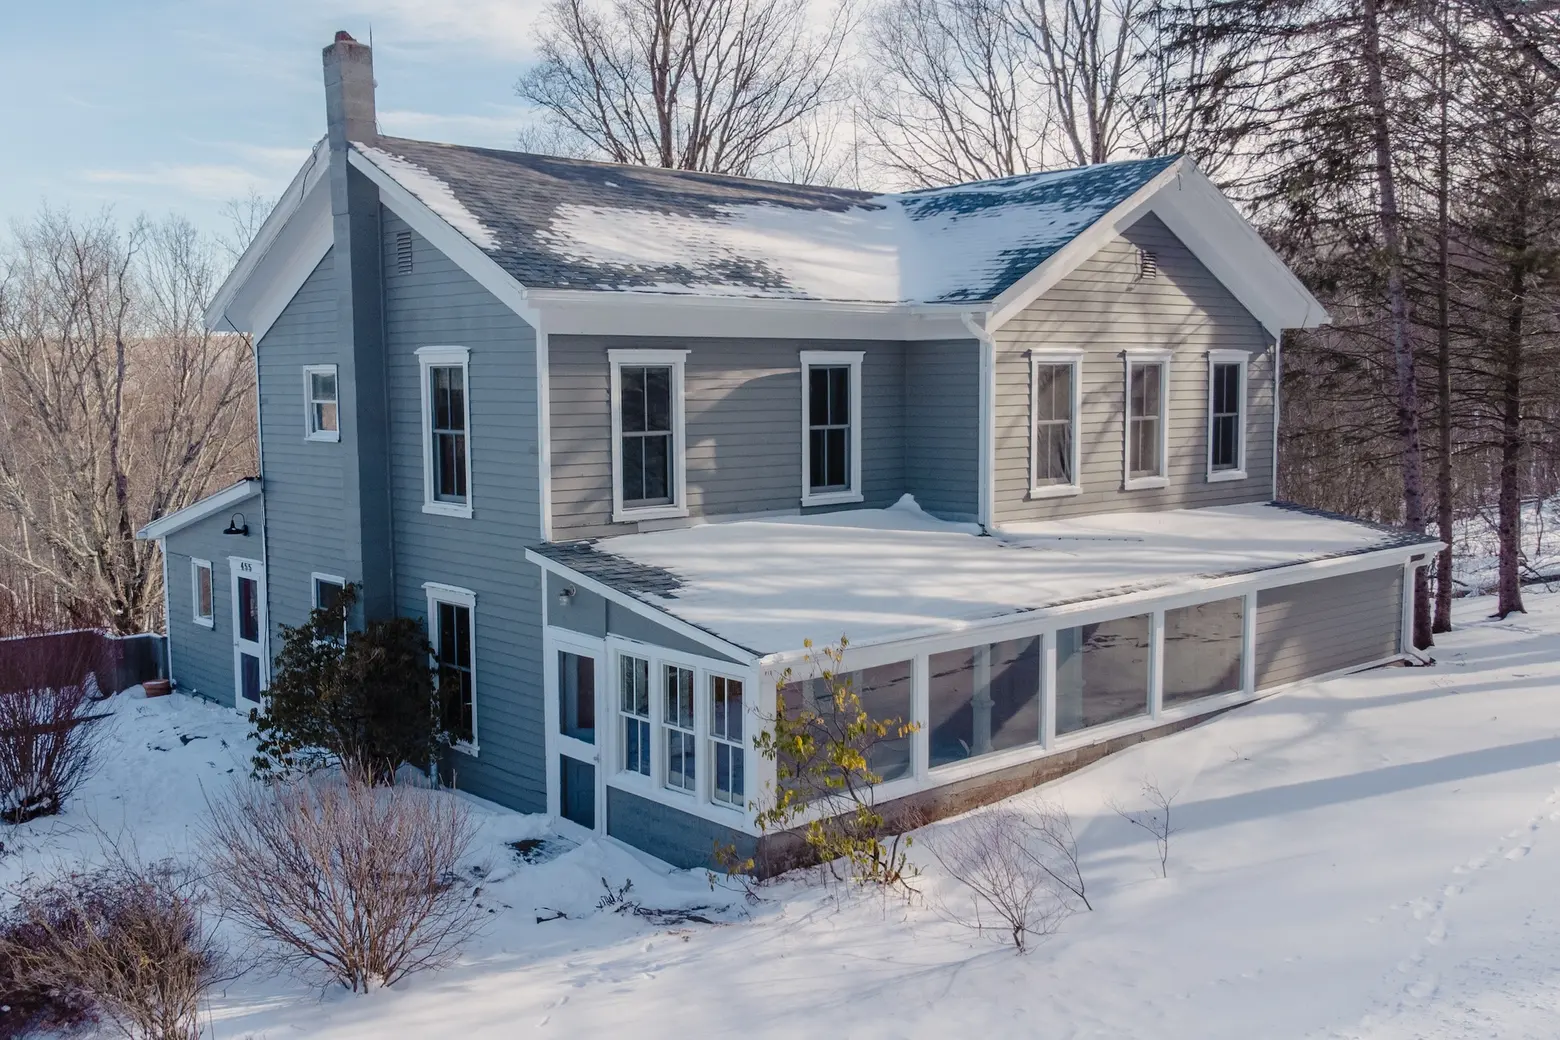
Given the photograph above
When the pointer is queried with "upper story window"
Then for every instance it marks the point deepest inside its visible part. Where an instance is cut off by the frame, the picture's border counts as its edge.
(1146, 452)
(446, 425)
(1054, 407)
(647, 434)
(831, 426)
(451, 624)
(203, 609)
(1227, 414)
(323, 417)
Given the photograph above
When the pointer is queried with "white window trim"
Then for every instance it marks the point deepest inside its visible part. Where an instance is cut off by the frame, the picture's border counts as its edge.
(437, 593)
(1131, 358)
(710, 739)
(1243, 359)
(209, 620)
(1048, 356)
(678, 507)
(834, 358)
(309, 432)
(314, 589)
(438, 357)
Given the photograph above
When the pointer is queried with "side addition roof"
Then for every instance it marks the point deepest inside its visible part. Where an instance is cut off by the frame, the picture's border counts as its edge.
(211, 505)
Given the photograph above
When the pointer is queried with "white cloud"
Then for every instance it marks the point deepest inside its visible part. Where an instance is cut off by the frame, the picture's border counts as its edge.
(495, 130)
(501, 28)
(210, 181)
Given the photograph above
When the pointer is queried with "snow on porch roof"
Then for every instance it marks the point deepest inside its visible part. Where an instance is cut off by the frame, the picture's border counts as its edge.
(877, 575)
(554, 223)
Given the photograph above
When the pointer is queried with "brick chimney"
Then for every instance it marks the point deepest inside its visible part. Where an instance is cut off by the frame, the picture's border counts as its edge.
(349, 91)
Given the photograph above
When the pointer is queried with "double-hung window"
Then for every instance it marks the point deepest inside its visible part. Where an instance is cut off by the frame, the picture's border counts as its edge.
(678, 725)
(1054, 406)
(322, 419)
(1146, 454)
(831, 427)
(201, 597)
(451, 620)
(446, 424)
(726, 743)
(647, 434)
(634, 713)
(1227, 414)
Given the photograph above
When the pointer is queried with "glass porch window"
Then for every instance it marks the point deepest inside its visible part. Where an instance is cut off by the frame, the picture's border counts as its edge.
(1203, 650)
(982, 699)
(885, 693)
(678, 724)
(1102, 673)
(726, 743)
(634, 713)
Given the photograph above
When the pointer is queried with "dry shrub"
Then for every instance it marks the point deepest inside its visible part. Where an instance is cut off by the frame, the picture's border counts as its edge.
(1015, 890)
(341, 876)
(47, 738)
(127, 943)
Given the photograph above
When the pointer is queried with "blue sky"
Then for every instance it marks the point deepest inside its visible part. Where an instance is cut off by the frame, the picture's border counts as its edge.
(161, 106)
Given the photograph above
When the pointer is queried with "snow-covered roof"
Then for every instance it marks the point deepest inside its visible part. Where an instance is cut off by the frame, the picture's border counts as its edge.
(555, 223)
(878, 575)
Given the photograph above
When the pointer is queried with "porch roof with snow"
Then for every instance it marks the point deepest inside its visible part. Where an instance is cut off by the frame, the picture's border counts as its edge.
(885, 575)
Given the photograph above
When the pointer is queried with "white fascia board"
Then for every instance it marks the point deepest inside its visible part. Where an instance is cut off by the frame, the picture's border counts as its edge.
(212, 504)
(465, 253)
(1066, 260)
(738, 653)
(286, 239)
(1209, 225)
(585, 312)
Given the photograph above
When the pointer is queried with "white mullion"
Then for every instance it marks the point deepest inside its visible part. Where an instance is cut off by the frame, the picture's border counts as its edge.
(1048, 689)
(1156, 663)
(921, 711)
(1248, 661)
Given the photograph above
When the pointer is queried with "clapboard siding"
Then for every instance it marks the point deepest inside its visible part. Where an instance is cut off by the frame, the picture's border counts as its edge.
(942, 426)
(437, 304)
(306, 522)
(1103, 309)
(742, 408)
(203, 657)
(1323, 626)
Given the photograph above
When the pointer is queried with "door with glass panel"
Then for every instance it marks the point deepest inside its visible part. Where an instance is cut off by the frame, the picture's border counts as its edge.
(576, 689)
(250, 666)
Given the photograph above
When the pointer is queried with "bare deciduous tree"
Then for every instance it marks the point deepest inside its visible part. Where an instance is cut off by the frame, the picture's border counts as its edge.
(116, 405)
(712, 85)
(339, 875)
(1155, 819)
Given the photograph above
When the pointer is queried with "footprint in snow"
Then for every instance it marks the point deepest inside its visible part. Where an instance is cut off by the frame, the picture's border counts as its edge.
(1437, 934)
(1452, 890)
(1519, 852)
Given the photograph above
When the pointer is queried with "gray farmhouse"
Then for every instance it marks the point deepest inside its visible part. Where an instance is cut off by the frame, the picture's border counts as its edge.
(626, 438)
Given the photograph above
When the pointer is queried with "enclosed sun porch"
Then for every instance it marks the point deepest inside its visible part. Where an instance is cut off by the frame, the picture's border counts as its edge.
(1020, 654)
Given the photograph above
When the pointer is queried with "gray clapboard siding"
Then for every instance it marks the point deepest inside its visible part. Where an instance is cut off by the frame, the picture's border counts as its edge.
(942, 426)
(593, 615)
(1317, 627)
(681, 839)
(203, 657)
(437, 304)
(305, 518)
(742, 407)
(1103, 309)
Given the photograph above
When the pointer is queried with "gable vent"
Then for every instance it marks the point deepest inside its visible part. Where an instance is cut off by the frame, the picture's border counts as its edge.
(403, 252)
(1148, 266)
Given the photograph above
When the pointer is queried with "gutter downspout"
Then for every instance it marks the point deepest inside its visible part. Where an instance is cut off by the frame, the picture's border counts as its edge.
(988, 421)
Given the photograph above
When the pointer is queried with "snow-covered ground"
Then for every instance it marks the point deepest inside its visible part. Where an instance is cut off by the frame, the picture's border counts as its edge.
(1476, 542)
(1370, 857)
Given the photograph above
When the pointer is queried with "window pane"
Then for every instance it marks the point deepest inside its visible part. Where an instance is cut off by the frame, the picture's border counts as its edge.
(324, 384)
(657, 478)
(1053, 392)
(248, 610)
(658, 399)
(885, 695)
(452, 649)
(327, 598)
(203, 592)
(633, 388)
(1226, 443)
(679, 696)
(1149, 403)
(818, 396)
(984, 699)
(839, 396)
(1203, 650)
(325, 416)
(577, 696)
(1101, 673)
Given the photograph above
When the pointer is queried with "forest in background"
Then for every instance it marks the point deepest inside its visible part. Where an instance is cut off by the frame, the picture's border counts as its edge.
(1401, 156)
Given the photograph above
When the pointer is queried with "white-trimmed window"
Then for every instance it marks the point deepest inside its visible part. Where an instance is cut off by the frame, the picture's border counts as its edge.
(1227, 414)
(681, 743)
(325, 591)
(202, 599)
(322, 418)
(446, 430)
(1055, 402)
(453, 630)
(1146, 458)
(831, 426)
(634, 713)
(726, 742)
(649, 477)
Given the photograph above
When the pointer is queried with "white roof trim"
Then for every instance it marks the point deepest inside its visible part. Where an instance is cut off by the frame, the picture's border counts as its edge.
(211, 505)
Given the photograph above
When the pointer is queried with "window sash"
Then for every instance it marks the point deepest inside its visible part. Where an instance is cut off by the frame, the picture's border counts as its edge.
(321, 394)
(726, 743)
(1145, 392)
(645, 416)
(679, 727)
(1225, 393)
(830, 427)
(205, 597)
(447, 426)
(453, 652)
(634, 713)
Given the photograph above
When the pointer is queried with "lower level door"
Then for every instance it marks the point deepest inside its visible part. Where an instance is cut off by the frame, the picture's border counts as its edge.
(249, 632)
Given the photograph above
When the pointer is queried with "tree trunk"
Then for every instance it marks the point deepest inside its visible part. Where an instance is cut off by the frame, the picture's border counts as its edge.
(1509, 580)
(1443, 354)
(1412, 461)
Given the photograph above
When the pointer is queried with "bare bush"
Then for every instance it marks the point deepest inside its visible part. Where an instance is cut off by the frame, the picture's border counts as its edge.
(127, 943)
(47, 740)
(338, 875)
(988, 854)
(1155, 819)
(1052, 830)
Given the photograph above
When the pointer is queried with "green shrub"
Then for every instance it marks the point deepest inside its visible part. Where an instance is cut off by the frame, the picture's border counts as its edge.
(366, 698)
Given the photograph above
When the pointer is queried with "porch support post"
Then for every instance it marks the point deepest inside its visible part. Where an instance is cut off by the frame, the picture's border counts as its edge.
(1248, 645)
(921, 710)
(1156, 662)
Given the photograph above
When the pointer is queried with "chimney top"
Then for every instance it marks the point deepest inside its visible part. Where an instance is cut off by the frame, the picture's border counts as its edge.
(349, 91)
